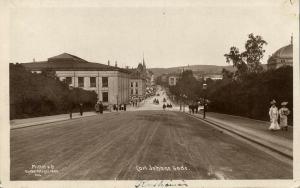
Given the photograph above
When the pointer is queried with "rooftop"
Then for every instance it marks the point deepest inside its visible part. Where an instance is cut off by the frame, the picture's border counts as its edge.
(284, 52)
(67, 61)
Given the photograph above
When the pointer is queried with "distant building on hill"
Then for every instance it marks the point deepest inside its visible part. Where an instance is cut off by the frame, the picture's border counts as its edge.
(282, 57)
(173, 80)
(213, 76)
(111, 83)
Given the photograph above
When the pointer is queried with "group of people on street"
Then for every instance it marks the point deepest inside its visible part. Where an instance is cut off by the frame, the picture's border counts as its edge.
(71, 108)
(155, 101)
(281, 115)
(193, 108)
(99, 107)
(167, 106)
(119, 107)
(134, 103)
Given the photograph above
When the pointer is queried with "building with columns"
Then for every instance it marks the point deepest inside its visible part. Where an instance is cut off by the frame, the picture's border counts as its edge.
(110, 83)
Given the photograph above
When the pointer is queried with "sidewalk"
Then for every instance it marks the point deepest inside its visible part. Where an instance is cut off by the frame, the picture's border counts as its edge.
(20, 123)
(254, 130)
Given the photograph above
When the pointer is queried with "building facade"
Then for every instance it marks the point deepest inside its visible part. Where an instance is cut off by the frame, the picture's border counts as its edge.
(172, 80)
(110, 83)
(213, 76)
(137, 88)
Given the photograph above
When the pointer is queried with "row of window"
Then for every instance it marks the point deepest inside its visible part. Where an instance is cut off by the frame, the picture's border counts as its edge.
(136, 91)
(92, 81)
(132, 83)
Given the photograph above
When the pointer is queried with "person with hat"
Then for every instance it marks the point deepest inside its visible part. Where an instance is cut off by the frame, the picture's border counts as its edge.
(283, 113)
(273, 113)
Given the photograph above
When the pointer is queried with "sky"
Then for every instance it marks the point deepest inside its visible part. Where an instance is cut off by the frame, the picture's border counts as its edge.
(168, 33)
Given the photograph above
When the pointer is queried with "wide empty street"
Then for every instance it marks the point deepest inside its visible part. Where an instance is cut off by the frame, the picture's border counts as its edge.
(137, 145)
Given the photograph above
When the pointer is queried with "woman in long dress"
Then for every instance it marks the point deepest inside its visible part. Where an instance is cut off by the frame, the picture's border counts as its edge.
(273, 113)
(283, 113)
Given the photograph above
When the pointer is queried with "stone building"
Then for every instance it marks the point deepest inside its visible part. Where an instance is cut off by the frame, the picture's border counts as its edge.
(138, 82)
(172, 80)
(110, 83)
(137, 88)
(282, 57)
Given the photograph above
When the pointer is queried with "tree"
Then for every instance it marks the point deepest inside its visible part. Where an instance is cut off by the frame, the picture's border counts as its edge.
(235, 57)
(33, 94)
(187, 85)
(254, 53)
(248, 61)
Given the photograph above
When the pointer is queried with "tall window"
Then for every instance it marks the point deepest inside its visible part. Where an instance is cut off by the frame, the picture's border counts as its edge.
(69, 80)
(104, 82)
(136, 91)
(105, 96)
(80, 81)
(131, 84)
(131, 91)
(136, 84)
(92, 81)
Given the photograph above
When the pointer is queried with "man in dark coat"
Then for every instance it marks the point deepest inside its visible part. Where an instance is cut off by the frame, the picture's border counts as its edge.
(97, 107)
(81, 109)
(71, 109)
(101, 107)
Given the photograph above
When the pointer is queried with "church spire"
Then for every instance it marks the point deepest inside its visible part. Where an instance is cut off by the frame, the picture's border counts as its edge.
(144, 64)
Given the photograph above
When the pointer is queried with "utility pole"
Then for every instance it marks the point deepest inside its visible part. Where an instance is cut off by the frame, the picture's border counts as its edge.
(204, 103)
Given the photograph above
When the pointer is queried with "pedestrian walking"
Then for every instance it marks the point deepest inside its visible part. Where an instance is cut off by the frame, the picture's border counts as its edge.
(97, 107)
(164, 106)
(273, 113)
(193, 108)
(70, 110)
(124, 107)
(190, 108)
(101, 107)
(283, 113)
(81, 109)
(196, 108)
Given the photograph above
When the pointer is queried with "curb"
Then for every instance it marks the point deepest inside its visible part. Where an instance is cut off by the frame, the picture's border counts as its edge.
(262, 121)
(43, 123)
(244, 137)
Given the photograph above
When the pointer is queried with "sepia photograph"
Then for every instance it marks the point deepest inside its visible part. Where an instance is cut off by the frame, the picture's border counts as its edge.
(161, 93)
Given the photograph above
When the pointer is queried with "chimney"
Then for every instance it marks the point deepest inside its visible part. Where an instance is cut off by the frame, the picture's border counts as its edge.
(116, 64)
(108, 63)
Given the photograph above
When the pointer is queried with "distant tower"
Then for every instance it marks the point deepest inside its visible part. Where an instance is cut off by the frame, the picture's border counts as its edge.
(33, 60)
(292, 39)
(108, 63)
(144, 64)
(116, 64)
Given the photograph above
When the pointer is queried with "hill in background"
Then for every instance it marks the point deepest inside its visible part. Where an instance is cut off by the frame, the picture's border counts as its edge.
(204, 69)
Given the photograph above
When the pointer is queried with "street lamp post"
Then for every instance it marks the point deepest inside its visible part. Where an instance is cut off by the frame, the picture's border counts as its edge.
(71, 101)
(204, 104)
(184, 100)
(180, 98)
